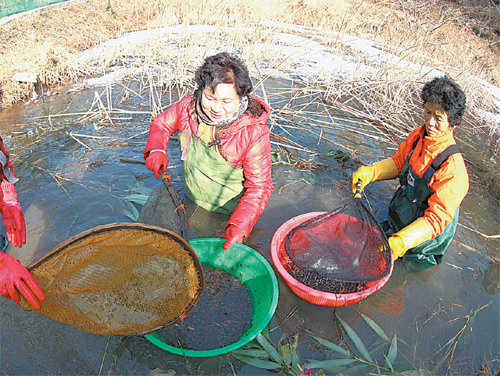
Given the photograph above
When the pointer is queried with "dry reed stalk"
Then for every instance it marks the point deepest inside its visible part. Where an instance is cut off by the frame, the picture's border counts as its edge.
(311, 118)
(480, 233)
(321, 137)
(126, 143)
(453, 342)
(57, 178)
(138, 134)
(61, 115)
(297, 90)
(128, 89)
(122, 111)
(102, 109)
(90, 115)
(109, 97)
(89, 136)
(291, 144)
(80, 142)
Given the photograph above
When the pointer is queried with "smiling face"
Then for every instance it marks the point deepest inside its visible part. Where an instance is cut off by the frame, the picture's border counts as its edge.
(436, 120)
(221, 104)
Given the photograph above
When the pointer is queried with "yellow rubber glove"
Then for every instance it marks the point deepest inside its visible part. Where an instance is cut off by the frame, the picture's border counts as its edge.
(366, 174)
(397, 246)
(383, 170)
(409, 237)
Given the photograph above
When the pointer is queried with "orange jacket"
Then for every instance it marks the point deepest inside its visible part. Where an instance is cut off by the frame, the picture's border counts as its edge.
(449, 184)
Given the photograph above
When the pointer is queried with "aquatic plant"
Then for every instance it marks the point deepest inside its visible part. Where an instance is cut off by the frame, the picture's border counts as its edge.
(263, 353)
(352, 357)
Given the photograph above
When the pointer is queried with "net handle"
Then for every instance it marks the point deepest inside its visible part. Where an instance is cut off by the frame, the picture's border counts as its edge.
(180, 209)
(357, 194)
(179, 206)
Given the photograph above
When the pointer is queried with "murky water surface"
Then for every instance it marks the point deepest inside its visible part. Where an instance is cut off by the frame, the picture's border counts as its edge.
(220, 318)
(72, 179)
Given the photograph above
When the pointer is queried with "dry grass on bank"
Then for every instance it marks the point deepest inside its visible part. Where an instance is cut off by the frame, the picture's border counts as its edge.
(425, 31)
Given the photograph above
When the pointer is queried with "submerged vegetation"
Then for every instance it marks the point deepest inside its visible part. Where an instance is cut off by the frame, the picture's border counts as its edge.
(350, 357)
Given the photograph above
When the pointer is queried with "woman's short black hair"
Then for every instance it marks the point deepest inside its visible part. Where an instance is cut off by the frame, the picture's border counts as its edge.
(448, 94)
(224, 68)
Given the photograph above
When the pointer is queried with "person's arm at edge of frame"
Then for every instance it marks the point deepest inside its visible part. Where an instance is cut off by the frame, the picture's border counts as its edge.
(14, 277)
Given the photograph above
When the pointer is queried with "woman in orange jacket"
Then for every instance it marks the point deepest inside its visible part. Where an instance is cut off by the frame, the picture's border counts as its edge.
(225, 143)
(423, 214)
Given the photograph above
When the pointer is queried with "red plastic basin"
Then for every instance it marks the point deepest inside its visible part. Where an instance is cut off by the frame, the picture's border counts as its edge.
(307, 293)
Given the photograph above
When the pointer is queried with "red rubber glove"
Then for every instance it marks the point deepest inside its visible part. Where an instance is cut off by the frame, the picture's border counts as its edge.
(12, 215)
(15, 279)
(233, 235)
(157, 162)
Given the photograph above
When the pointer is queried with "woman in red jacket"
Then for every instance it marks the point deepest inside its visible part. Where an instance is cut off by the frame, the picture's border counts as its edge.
(225, 143)
(15, 279)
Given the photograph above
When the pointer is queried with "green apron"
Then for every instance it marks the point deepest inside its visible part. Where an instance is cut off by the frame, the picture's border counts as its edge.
(410, 202)
(211, 182)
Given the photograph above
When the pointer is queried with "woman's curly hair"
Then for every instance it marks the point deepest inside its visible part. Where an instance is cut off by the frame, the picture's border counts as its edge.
(224, 68)
(447, 93)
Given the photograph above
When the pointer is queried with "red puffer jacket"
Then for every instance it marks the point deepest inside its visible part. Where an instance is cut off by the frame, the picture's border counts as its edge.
(245, 144)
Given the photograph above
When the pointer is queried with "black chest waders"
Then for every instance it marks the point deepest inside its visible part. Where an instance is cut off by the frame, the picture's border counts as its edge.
(410, 202)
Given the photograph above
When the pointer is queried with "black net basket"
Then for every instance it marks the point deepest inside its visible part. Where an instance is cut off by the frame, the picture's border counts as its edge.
(339, 251)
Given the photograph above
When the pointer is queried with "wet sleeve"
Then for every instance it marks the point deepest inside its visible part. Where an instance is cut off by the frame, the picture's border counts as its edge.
(162, 127)
(449, 186)
(257, 170)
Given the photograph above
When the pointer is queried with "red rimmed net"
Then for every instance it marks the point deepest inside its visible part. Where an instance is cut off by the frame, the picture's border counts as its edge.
(338, 251)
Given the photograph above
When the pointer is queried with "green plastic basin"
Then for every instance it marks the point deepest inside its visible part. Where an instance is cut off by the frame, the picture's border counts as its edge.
(254, 271)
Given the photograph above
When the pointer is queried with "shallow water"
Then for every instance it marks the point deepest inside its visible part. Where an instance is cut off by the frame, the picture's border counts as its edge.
(220, 318)
(67, 187)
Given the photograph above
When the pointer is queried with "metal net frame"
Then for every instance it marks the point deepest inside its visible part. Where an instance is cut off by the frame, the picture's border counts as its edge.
(120, 279)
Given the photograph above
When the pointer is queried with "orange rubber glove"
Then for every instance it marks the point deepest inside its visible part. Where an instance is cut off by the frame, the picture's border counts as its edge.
(382, 170)
(233, 235)
(409, 237)
(157, 162)
(12, 214)
(15, 279)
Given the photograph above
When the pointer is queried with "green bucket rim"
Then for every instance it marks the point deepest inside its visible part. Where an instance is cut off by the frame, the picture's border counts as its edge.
(250, 334)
